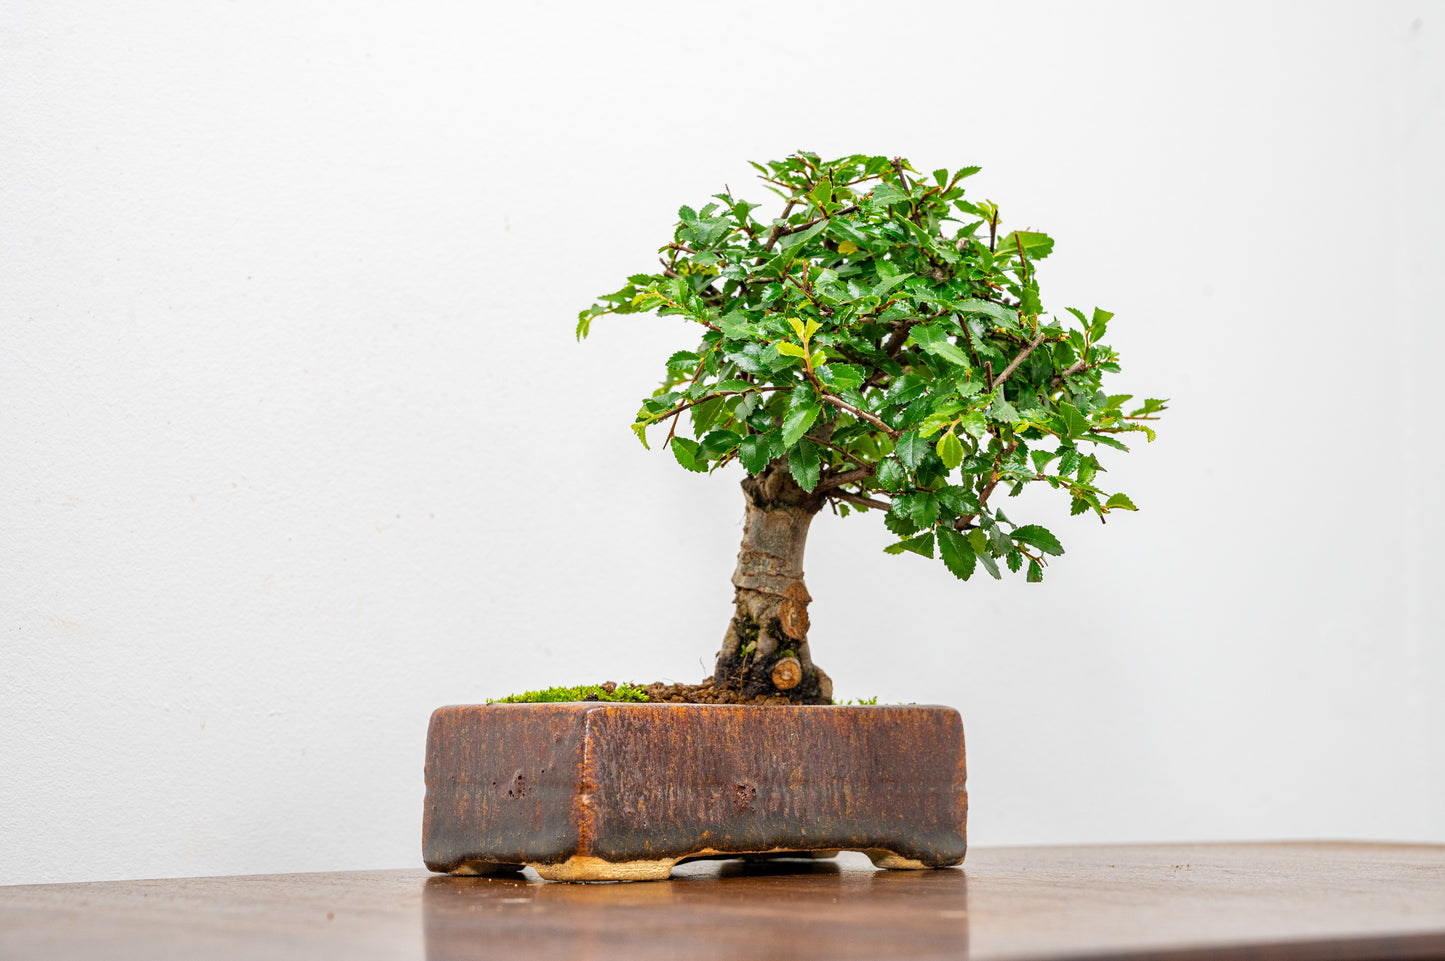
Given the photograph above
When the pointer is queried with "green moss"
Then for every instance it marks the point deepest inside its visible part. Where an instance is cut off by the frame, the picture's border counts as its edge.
(860, 700)
(553, 695)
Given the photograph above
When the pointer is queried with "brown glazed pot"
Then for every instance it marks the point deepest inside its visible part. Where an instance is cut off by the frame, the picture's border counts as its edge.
(595, 791)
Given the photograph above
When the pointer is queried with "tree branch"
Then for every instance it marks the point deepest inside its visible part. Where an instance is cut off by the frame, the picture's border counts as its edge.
(835, 447)
(841, 404)
(1077, 367)
(1023, 355)
(848, 477)
(861, 501)
(967, 519)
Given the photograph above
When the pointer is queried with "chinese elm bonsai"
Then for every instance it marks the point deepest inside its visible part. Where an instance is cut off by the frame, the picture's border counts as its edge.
(878, 346)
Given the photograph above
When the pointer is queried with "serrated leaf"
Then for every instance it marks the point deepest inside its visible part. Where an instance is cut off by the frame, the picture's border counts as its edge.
(1107, 441)
(950, 450)
(804, 464)
(1041, 458)
(719, 442)
(754, 452)
(1036, 572)
(1002, 410)
(888, 194)
(841, 376)
(922, 544)
(1015, 560)
(932, 340)
(973, 424)
(897, 522)
(1074, 424)
(923, 508)
(1068, 460)
(689, 454)
(1120, 501)
(705, 413)
(793, 240)
(989, 564)
(1003, 315)
(1036, 536)
(822, 193)
(957, 500)
(848, 247)
(799, 418)
(957, 554)
(910, 448)
(890, 474)
(1035, 246)
(790, 349)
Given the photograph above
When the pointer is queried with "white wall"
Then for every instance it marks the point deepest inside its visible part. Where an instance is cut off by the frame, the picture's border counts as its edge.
(296, 444)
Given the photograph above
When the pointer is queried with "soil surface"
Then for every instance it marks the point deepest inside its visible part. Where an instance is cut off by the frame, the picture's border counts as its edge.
(704, 693)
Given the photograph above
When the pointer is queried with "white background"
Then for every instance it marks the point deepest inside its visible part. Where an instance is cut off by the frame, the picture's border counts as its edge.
(296, 444)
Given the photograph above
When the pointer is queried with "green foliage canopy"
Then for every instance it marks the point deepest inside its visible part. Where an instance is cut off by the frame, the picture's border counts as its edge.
(885, 341)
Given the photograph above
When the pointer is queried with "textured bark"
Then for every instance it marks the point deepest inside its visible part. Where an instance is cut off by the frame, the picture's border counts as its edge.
(770, 599)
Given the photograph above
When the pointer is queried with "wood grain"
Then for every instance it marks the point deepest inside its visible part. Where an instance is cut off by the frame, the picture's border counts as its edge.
(1288, 902)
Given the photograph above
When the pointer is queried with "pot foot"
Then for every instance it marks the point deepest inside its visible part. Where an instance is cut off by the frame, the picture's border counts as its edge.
(579, 868)
(475, 868)
(893, 862)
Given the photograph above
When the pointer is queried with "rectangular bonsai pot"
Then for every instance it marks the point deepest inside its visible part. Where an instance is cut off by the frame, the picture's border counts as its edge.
(614, 791)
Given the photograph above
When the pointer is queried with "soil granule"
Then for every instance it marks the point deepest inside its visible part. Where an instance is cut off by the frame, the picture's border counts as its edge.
(704, 693)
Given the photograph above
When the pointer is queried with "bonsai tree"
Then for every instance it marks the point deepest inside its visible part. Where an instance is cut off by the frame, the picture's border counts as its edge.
(879, 346)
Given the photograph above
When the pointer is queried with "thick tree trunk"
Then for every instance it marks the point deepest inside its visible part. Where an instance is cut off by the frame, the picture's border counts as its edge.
(770, 617)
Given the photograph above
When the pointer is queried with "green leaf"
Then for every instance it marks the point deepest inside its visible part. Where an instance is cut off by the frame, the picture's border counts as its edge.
(973, 424)
(910, 448)
(1036, 572)
(753, 452)
(978, 540)
(800, 416)
(958, 500)
(890, 474)
(897, 522)
(1074, 423)
(823, 192)
(950, 450)
(790, 348)
(1036, 246)
(922, 544)
(1004, 316)
(1036, 536)
(640, 429)
(804, 464)
(719, 442)
(1002, 410)
(888, 194)
(923, 508)
(689, 454)
(957, 554)
(934, 341)
(1068, 460)
(704, 414)
(841, 376)
(793, 240)
(1120, 501)
(989, 564)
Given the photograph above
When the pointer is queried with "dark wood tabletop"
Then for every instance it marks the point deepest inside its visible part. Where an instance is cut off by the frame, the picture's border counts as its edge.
(1292, 901)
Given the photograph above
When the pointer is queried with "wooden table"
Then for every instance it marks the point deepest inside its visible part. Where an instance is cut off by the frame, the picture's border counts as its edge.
(1196, 901)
